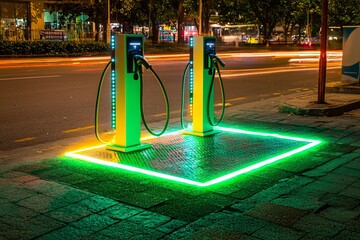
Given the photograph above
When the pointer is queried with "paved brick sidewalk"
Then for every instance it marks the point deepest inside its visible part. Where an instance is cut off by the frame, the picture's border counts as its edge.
(315, 195)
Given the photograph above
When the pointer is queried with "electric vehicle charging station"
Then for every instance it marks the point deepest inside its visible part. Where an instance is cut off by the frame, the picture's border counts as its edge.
(203, 65)
(125, 91)
(180, 156)
(127, 59)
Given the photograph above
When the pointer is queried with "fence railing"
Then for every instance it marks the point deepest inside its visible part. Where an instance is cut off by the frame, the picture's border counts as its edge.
(40, 34)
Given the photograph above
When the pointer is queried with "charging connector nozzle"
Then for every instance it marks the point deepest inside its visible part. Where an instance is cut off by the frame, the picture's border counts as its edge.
(217, 59)
(142, 61)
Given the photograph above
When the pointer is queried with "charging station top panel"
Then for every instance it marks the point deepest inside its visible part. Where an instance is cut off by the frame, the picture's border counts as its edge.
(134, 46)
(209, 43)
(209, 48)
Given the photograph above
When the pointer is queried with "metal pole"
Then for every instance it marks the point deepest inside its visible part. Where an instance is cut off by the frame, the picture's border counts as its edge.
(200, 17)
(323, 45)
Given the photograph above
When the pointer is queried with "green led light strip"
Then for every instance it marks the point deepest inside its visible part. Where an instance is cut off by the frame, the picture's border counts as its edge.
(311, 143)
(113, 84)
(191, 77)
(133, 169)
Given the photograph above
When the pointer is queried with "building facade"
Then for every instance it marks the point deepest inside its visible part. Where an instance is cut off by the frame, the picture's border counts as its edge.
(25, 19)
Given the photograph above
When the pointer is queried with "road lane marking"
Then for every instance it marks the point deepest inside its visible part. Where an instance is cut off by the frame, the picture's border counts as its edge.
(34, 77)
(296, 89)
(236, 99)
(78, 129)
(220, 105)
(164, 114)
(24, 139)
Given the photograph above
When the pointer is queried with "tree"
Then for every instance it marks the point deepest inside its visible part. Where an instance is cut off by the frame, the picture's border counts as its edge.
(206, 11)
(100, 17)
(183, 9)
(234, 12)
(289, 17)
(268, 13)
(308, 14)
(130, 13)
(192, 12)
(159, 12)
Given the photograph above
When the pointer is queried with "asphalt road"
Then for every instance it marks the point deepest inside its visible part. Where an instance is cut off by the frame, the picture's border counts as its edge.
(49, 99)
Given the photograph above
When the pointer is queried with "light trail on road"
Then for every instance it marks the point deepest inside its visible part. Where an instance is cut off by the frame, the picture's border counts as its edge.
(41, 62)
(262, 71)
(32, 77)
(312, 60)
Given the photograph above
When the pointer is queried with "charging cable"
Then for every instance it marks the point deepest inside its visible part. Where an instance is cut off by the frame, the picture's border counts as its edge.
(141, 61)
(215, 61)
(214, 67)
(98, 102)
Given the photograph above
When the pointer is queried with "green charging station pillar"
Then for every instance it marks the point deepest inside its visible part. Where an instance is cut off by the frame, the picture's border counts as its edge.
(125, 93)
(201, 104)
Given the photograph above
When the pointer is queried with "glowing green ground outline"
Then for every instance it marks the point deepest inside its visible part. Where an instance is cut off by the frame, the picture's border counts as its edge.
(311, 143)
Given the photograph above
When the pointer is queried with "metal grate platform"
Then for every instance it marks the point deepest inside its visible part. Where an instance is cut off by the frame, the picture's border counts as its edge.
(201, 161)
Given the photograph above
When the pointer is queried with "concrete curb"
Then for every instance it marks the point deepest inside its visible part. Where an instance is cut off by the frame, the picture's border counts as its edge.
(329, 112)
(351, 88)
(336, 105)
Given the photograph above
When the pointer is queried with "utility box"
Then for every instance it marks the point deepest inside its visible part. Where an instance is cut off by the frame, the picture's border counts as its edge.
(350, 72)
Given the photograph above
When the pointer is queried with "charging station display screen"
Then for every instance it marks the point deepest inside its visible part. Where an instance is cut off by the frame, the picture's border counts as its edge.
(209, 45)
(134, 46)
(209, 48)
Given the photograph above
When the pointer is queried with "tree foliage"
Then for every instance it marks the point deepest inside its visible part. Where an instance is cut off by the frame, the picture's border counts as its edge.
(235, 12)
(129, 13)
(344, 12)
(266, 14)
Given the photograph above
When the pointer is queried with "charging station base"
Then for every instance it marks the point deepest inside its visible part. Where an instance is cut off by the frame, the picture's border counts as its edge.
(201, 134)
(200, 161)
(141, 146)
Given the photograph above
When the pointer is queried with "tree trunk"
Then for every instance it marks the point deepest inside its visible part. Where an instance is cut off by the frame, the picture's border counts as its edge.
(180, 22)
(206, 24)
(155, 31)
(265, 34)
(104, 24)
(206, 16)
(155, 27)
(196, 22)
(97, 21)
(292, 30)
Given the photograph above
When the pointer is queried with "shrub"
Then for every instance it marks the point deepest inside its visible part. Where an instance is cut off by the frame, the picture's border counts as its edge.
(52, 48)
